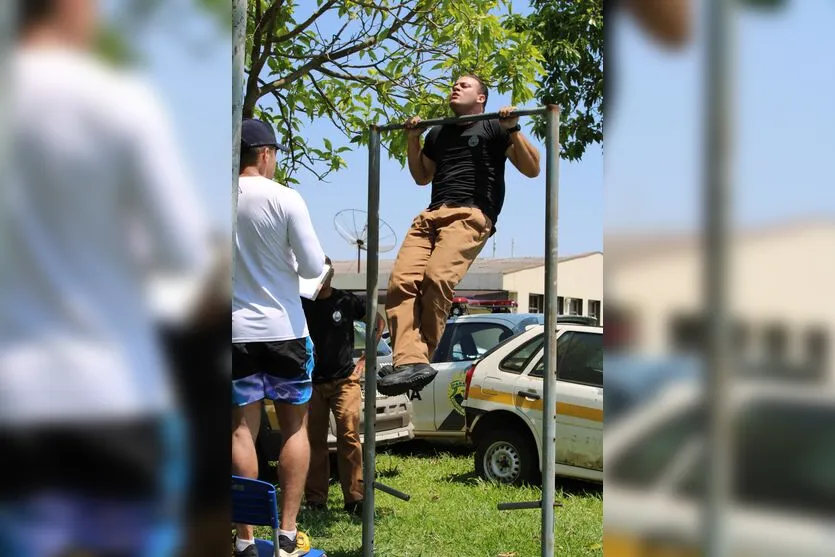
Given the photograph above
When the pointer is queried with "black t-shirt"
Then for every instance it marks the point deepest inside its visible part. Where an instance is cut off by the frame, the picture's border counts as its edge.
(331, 324)
(469, 165)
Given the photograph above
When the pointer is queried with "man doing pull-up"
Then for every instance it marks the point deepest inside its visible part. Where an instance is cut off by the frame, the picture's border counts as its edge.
(465, 162)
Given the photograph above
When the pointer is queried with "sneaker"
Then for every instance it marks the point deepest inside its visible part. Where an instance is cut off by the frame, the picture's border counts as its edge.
(354, 508)
(250, 551)
(293, 548)
(402, 379)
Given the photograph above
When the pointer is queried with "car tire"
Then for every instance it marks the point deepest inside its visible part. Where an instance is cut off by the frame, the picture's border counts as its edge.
(505, 456)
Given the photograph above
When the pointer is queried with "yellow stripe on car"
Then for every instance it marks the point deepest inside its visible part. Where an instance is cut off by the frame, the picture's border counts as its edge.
(507, 399)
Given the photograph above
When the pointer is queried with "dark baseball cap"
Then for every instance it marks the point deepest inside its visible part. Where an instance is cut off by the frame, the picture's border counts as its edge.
(257, 133)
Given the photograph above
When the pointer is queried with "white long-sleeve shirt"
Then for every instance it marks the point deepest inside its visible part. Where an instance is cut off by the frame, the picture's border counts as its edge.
(274, 244)
(94, 162)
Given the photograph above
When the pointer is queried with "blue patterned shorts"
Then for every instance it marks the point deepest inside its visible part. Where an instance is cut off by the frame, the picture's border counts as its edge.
(279, 371)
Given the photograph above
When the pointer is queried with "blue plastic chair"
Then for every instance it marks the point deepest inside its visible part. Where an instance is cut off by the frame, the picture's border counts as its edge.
(255, 502)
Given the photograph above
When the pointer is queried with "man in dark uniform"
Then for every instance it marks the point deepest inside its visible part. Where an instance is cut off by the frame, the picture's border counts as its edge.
(336, 388)
(465, 163)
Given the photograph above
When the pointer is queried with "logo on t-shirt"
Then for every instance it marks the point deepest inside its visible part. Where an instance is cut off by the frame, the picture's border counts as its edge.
(337, 317)
(473, 140)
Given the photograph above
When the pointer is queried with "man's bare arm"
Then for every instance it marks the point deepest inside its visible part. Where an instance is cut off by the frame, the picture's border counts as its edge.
(420, 166)
(523, 155)
(379, 325)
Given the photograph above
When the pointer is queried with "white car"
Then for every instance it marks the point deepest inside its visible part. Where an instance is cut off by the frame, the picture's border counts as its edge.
(437, 413)
(784, 473)
(504, 401)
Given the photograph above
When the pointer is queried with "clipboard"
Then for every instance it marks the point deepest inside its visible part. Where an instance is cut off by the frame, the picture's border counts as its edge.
(309, 288)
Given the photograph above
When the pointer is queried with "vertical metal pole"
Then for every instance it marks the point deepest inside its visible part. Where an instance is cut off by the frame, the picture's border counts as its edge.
(549, 410)
(238, 45)
(371, 266)
(716, 227)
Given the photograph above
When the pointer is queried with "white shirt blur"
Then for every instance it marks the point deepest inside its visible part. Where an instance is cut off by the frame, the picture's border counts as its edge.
(95, 175)
(274, 244)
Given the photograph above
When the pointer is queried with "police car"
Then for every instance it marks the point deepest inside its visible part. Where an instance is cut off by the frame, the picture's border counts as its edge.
(503, 404)
(783, 472)
(437, 413)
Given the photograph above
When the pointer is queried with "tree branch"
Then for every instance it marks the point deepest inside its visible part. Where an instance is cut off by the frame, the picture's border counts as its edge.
(325, 57)
(347, 76)
(305, 24)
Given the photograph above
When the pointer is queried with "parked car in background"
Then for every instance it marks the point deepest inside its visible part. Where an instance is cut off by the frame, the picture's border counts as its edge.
(436, 410)
(782, 470)
(633, 380)
(393, 423)
(504, 398)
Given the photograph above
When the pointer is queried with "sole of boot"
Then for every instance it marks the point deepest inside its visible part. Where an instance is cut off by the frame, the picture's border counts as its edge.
(416, 382)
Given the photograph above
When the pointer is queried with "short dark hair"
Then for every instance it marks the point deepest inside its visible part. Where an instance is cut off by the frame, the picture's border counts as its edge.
(33, 12)
(249, 156)
(328, 261)
(482, 87)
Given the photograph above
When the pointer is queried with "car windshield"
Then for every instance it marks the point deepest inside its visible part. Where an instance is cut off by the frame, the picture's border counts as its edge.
(792, 441)
(359, 341)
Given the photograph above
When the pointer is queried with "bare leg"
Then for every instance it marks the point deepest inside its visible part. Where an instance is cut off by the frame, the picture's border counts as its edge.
(294, 460)
(246, 420)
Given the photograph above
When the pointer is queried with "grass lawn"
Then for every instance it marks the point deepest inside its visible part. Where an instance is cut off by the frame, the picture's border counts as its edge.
(453, 512)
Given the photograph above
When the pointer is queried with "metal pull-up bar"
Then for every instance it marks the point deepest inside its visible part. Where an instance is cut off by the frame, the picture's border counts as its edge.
(548, 464)
(468, 118)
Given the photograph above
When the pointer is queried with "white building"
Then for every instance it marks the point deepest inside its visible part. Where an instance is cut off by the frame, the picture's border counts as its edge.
(579, 282)
(781, 295)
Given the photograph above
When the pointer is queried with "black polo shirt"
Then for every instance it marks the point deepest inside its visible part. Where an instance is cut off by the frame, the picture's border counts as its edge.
(469, 165)
(331, 324)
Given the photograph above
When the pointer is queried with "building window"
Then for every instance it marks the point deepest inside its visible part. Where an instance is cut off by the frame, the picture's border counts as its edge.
(560, 305)
(575, 306)
(536, 303)
(776, 343)
(687, 333)
(594, 310)
(817, 349)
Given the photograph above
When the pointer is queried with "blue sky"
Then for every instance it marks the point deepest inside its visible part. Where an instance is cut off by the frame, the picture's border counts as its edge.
(784, 128)
(784, 124)
(189, 60)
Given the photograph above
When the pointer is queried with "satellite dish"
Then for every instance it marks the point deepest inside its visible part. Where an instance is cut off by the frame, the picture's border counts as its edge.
(352, 225)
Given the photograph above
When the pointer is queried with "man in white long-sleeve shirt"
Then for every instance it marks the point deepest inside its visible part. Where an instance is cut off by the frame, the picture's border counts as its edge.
(272, 354)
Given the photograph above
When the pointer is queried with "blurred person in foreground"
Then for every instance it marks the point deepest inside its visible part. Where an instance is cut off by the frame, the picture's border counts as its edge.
(272, 353)
(96, 199)
(195, 329)
(668, 23)
(336, 388)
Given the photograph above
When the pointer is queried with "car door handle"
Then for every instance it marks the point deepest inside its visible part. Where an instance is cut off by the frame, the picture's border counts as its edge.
(529, 395)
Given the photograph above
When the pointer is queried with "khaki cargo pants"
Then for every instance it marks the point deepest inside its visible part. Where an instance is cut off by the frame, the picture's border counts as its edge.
(344, 398)
(437, 252)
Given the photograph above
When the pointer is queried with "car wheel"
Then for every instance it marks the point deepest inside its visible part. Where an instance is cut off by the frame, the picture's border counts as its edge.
(505, 456)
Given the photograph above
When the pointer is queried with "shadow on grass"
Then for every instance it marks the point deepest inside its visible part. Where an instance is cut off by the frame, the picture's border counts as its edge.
(468, 478)
(318, 523)
(567, 486)
(579, 488)
(351, 553)
(420, 448)
(388, 471)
